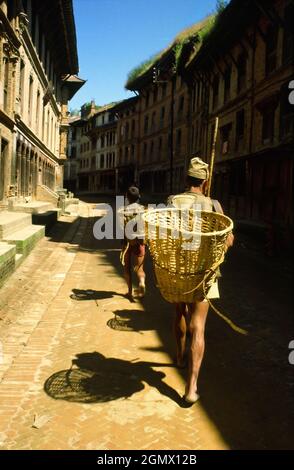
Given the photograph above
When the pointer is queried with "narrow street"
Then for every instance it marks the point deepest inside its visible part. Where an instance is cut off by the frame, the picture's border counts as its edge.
(83, 368)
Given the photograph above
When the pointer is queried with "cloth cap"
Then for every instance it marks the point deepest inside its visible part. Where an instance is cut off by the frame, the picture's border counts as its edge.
(198, 169)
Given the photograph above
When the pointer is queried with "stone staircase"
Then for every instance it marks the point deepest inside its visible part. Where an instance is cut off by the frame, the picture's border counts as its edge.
(18, 236)
(43, 213)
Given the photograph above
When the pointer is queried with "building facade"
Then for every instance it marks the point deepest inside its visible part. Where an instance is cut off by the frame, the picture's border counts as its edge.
(95, 135)
(38, 63)
(128, 143)
(247, 88)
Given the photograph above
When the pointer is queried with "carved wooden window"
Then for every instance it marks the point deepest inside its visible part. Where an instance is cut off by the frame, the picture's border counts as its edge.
(227, 84)
(215, 91)
(153, 118)
(6, 83)
(288, 38)
(225, 132)
(286, 114)
(271, 49)
(162, 114)
(164, 88)
(268, 121)
(242, 66)
(240, 129)
(146, 123)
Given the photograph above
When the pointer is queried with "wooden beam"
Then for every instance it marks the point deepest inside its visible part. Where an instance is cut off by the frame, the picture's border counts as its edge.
(271, 14)
(233, 59)
(263, 36)
(217, 66)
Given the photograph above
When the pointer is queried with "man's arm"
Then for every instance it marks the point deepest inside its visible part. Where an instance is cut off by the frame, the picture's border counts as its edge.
(218, 208)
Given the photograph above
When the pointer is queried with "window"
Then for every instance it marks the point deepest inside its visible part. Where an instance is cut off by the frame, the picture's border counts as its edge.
(133, 127)
(288, 39)
(271, 49)
(227, 84)
(268, 120)
(102, 161)
(21, 83)
(73, 152)
(6, 82)
(102, 141)
(30, 97)
(242, 65)
(240, 128)
(225, 133)
(163, 90)
(181, 105)
(126, 154)
(146, 123)
(155, 94)
(194, 97)
(162, 114)
(127, 130)
(286, 114)
(147, 100)
(151, 150)
(153, 121)
(38, 111)
(178, 140)
(159, 146)
(132, 152)
(145, 151)
(215, 90)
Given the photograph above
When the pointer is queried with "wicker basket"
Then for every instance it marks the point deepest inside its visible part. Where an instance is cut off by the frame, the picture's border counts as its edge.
(186, 246)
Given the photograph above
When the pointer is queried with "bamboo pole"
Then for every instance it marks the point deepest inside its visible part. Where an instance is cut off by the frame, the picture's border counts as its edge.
(212, 157)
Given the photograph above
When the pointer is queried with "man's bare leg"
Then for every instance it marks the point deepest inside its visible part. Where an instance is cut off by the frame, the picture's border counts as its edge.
(180, 330)
(198, 315)
(139, 268)
(128, 274)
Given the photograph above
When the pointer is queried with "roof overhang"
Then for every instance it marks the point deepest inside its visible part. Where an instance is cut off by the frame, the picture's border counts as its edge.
(73, 83)
(58, 24)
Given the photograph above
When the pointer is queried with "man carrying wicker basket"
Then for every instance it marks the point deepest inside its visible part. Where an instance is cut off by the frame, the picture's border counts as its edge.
(133, 248)
(192, 316)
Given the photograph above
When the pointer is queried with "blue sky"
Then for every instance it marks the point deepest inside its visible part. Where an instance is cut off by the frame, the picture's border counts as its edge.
(115, 36)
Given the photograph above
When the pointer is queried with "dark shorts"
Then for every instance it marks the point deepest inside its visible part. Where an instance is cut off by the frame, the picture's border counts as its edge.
(135, 248)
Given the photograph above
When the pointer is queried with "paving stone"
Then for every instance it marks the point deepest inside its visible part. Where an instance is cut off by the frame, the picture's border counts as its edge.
(107, 388)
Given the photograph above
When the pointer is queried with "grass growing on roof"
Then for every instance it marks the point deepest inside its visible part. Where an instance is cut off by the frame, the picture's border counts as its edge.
(193, 35)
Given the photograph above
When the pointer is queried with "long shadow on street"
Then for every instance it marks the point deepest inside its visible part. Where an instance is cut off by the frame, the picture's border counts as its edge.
(246, 382)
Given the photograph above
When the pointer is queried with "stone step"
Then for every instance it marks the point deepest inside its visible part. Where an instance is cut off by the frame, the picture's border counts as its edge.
(18, 259)
(48, 219)
(26, 238)
(35, 207)
(11, 222)
(7, 261)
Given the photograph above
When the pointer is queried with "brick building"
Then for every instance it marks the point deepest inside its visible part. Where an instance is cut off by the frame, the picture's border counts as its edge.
(237, 66)
(246, 86)
(95, 135)
(164, 110)
(128, 143)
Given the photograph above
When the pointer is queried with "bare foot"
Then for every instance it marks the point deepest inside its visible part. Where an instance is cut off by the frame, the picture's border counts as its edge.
(129, 296)
(191, 397)
(141, 290)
